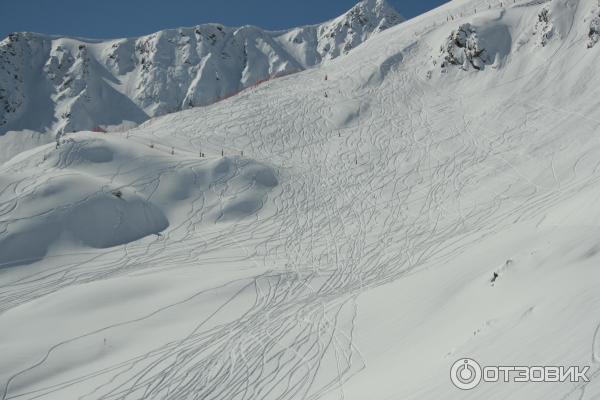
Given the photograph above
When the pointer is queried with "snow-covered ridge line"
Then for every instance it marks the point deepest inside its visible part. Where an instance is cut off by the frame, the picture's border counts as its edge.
(65, 84)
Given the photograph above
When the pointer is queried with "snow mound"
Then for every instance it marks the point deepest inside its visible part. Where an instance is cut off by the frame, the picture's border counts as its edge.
(78, 209)
(99, 192)
(255, 181)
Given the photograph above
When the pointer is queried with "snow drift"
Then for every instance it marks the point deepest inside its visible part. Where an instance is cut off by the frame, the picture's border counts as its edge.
(101, 192)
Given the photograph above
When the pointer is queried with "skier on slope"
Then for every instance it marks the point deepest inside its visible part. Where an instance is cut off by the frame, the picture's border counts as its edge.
(494, 277)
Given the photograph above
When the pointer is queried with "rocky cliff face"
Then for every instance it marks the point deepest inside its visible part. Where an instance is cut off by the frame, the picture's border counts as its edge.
(61, 84)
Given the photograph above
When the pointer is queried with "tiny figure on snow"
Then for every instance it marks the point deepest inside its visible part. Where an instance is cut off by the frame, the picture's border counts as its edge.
(494, 277)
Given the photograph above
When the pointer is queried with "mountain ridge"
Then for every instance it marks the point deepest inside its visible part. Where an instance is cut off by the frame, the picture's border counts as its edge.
(86, 83)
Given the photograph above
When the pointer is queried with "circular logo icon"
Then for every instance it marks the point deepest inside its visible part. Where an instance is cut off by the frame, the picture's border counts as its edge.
(466, 374)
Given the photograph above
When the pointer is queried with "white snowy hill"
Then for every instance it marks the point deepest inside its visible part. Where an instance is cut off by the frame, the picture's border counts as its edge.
(339, 236)
(62, 84)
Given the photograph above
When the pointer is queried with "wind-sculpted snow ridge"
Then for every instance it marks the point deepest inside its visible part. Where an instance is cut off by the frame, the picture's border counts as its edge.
(381, 224)
(61, 84)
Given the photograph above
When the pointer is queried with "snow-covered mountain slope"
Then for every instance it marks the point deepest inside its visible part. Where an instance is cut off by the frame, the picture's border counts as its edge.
(349, 252)
(113, 206)
(63, 84)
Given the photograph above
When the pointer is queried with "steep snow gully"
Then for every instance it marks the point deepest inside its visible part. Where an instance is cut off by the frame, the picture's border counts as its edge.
(331, 234)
